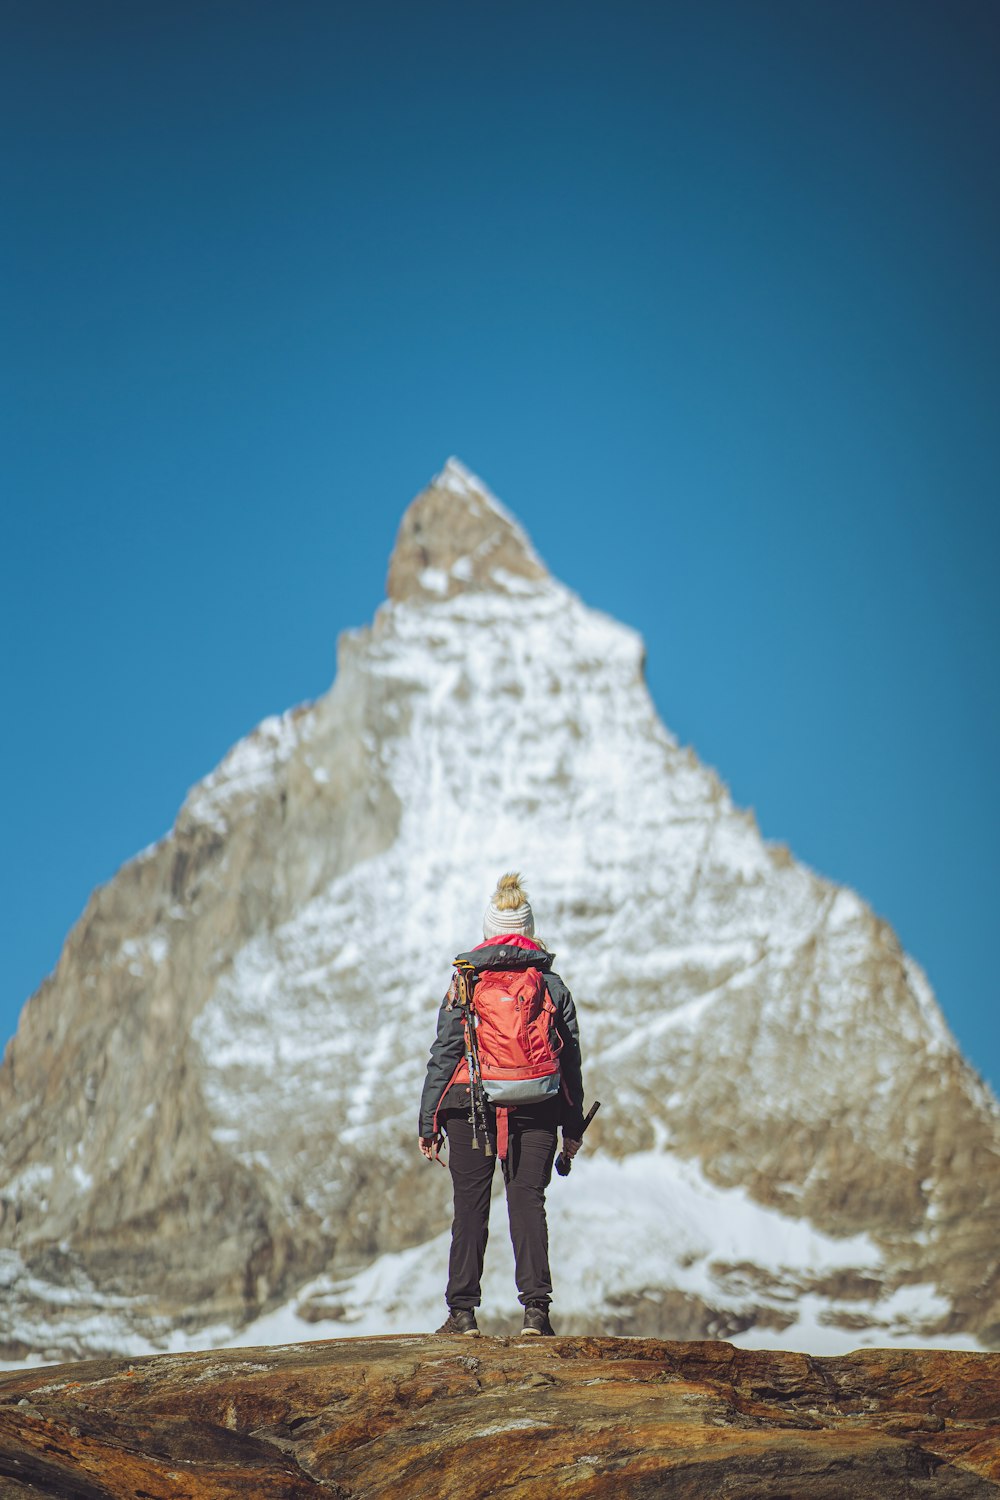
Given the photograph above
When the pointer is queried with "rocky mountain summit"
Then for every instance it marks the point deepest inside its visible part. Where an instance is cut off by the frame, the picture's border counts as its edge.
(464, 1418)
(208, 1111)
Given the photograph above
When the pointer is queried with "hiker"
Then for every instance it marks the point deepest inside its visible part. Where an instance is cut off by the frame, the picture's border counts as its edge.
(508, 975)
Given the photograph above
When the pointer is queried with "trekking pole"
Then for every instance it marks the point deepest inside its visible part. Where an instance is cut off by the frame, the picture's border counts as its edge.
(477, 1104)
(564, 1163)
(476, 1090)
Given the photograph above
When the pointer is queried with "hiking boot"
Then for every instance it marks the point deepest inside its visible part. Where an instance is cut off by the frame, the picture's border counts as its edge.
(460, 1320)
(536, 1320)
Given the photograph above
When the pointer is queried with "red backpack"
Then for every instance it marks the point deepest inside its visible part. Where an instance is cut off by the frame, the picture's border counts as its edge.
(516, 1036)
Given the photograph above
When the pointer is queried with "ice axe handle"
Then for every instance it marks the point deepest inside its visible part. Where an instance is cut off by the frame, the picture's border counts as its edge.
(564, 1163)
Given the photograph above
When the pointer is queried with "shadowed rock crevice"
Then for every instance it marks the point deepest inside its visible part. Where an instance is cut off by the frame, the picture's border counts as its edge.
(440, 1418)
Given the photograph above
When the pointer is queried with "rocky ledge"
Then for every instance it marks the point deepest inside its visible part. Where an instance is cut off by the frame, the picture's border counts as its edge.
(463, 1417)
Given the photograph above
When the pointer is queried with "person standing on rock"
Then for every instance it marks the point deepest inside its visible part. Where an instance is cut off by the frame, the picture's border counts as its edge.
(509, 1015)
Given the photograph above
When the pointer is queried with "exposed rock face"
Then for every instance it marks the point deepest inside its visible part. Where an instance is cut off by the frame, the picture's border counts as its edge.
(465, 1418)
(210, 1105)
(456, 538)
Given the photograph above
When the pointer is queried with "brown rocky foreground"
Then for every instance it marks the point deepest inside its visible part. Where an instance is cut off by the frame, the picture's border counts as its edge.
(441, 1417)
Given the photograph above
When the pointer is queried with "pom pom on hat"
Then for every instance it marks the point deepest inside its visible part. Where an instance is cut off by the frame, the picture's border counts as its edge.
(509, 910)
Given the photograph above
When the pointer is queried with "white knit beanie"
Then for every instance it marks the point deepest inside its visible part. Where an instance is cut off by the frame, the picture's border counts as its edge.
(497, 920)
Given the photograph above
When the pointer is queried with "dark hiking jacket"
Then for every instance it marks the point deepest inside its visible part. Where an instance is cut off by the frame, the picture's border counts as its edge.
(448, 1049)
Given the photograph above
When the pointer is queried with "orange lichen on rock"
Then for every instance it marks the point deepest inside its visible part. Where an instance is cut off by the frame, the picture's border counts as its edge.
(439, 1418)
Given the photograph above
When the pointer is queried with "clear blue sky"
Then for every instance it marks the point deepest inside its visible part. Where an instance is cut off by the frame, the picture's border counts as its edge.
(707, 292)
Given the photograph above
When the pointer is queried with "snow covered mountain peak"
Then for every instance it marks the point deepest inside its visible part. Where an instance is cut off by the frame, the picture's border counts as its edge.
(209, 1109)
(456, 537)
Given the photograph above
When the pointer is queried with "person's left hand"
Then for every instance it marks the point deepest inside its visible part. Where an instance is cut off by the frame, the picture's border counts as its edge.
(570, 1148)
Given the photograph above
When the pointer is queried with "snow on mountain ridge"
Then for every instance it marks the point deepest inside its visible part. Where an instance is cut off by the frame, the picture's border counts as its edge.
(251, 764)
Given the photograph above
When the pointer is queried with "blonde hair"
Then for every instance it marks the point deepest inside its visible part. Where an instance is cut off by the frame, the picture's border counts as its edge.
(510, 893)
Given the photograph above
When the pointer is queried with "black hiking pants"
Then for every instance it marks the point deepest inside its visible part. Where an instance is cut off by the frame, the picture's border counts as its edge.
(527, 1172)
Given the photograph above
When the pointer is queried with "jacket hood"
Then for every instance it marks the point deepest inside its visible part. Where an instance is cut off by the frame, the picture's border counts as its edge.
(510, 952)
